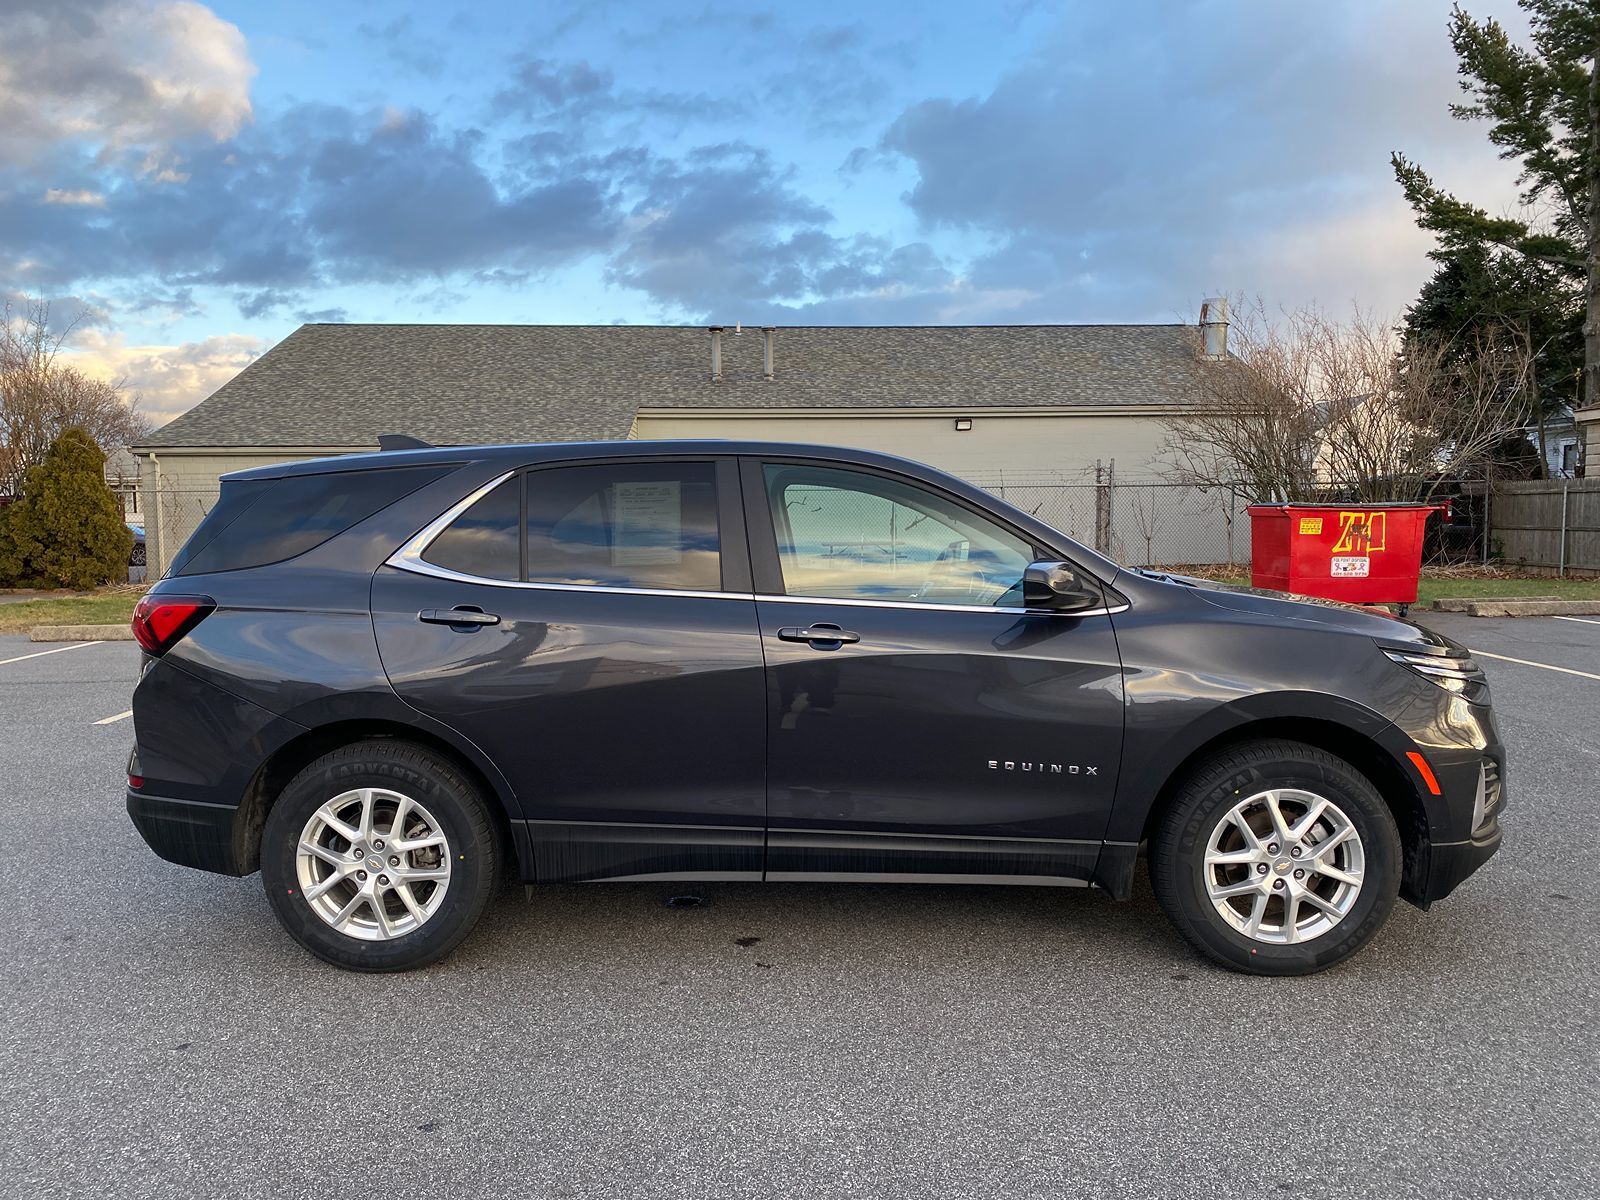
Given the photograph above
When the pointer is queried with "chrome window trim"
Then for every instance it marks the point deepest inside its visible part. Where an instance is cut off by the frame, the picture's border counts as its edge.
(419, 567)
(921, 604)
(409, 558)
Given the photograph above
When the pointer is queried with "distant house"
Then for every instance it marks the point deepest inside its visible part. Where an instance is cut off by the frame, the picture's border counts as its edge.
(995, 404)
(1575, 444)
(122, 477)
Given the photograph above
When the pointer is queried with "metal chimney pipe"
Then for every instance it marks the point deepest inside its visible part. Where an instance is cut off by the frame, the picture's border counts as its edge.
(1214, 327)
(716, 354)
(770, 333)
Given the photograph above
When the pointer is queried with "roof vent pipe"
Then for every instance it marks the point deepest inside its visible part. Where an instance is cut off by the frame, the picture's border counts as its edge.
(1214, 327)
(769, 334)
(716, 354)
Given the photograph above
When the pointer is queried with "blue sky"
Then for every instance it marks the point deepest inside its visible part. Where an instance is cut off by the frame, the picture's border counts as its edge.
(197, 180)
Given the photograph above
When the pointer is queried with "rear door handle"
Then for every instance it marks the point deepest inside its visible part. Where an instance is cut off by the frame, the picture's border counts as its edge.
(458, 616)
(822, 635)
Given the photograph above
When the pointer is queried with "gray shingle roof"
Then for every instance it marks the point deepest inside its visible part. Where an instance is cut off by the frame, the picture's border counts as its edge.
(343, 385)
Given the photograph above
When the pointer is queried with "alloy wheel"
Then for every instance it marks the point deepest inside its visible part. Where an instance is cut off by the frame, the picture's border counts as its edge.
(1284, 866)
(373, 863)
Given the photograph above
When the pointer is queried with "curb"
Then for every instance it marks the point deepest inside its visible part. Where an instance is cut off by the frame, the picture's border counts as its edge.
(80, 633)
(1525, 607)
(1461, 604)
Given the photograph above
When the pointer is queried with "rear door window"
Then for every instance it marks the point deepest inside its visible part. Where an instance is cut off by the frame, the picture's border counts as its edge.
(638, 525)
(625, 525)
(484, 541)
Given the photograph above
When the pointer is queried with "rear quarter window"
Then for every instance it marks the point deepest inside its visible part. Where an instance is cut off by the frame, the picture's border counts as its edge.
(261, 521)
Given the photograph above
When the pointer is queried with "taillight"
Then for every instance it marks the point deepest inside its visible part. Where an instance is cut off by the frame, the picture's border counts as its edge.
(160, 621)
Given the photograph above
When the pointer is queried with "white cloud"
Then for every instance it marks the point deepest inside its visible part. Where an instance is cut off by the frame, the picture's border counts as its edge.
(114, 74)
(167, 380)
(82, 197)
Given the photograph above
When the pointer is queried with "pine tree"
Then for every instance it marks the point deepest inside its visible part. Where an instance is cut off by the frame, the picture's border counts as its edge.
(67, 529)
(1485, 297)
(1542, 105)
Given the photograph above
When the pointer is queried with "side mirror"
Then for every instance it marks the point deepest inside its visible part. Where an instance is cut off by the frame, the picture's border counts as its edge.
(1056, 586)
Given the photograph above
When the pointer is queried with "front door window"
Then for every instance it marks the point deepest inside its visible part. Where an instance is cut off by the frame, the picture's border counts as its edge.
(851, 535)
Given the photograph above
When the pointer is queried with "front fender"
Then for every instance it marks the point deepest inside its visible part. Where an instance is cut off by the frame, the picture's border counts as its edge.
(1155, 751)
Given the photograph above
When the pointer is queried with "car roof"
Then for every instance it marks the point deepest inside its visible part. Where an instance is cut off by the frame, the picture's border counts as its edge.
(536, 452)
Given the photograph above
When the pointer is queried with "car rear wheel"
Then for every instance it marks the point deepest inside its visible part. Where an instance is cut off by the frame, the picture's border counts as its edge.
(1277, 858)
(379, 856)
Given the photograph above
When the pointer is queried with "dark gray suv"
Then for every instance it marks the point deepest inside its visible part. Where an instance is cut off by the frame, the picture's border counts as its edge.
(390, 681)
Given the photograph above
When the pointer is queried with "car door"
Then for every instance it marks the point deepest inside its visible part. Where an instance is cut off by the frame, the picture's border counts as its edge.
(590, 627)
(921, 721)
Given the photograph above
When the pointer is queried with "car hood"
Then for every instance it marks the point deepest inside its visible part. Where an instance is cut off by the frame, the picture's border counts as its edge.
(1308, 610)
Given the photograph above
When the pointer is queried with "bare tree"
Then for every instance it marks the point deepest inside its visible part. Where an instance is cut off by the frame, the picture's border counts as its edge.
(1312, 405)
(1425, 411)
(1148, 517)
(1255, 427)
(41, 396)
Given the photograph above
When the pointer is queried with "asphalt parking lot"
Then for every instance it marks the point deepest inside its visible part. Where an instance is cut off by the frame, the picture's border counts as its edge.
(161, 1037)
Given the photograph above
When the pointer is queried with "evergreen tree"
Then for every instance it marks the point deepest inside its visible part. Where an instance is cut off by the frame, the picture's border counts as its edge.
(1542, 105)
(67, 529)
(1485, 297)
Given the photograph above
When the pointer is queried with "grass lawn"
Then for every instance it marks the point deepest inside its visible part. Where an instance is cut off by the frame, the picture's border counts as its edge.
(1479, 584)
(111, 607)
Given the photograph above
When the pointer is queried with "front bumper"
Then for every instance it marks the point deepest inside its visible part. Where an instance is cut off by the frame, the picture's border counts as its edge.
(1444, 865)
(190, 833)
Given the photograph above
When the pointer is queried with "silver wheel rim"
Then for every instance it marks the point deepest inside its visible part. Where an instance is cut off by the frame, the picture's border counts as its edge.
(1284, 866)
(373, 864)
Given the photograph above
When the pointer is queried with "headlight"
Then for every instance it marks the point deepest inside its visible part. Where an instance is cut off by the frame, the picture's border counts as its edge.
(1459, 675)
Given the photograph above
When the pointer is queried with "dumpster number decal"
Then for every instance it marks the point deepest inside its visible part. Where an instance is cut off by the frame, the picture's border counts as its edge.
(1360, 534)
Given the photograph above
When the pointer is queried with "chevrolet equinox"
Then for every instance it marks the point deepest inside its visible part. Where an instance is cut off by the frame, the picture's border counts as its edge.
(389, 681)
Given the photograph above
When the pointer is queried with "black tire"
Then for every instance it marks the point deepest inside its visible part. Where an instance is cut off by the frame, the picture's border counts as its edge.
(1178, 847)
(432, 781)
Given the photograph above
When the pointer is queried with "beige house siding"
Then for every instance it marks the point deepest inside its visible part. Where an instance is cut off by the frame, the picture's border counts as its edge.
(1011, 446)
(178, 487)
(1588, 421)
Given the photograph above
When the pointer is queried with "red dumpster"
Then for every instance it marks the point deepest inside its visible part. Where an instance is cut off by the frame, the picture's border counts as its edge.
(1357, 553)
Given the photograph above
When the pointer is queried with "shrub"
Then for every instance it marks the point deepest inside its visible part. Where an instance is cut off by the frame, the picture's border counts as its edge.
(67, 529)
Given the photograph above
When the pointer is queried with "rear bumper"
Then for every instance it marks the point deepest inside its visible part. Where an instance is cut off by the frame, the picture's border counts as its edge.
(190, 833)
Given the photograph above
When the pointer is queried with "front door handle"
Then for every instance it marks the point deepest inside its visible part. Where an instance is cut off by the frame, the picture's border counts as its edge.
(822, 635)
(458, 616)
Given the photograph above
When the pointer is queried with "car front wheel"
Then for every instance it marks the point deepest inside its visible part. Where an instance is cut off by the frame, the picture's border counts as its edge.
(1277, 858)
(379, 856)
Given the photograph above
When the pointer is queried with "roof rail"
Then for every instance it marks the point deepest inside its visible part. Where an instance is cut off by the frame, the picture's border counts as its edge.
(402, 441)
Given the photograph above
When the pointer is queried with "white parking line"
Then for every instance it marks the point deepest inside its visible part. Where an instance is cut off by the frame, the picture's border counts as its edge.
(1546, 666)
(1580, 620)
(42, 653)
(113, 720)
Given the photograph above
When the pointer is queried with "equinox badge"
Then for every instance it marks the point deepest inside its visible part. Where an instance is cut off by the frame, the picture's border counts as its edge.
(1002, 764)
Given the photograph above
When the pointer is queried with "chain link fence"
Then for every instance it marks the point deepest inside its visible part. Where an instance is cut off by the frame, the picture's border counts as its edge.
(1153, 522)
(1139, 522)
(172, 513)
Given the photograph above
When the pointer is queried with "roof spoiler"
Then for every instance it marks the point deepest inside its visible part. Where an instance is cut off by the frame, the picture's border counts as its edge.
(402, 441)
